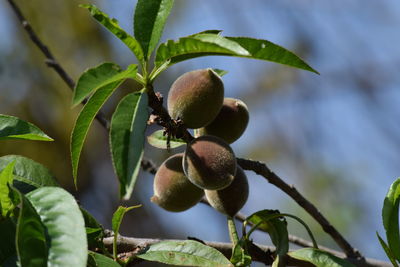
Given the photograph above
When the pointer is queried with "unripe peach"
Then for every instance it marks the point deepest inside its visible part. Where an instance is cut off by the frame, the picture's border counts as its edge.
(230, 122)
(172, 189)
(196, 97)
(232, 198)
(209, 163)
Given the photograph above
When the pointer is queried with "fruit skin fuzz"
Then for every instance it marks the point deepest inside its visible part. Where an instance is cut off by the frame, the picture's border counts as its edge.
(172, 189)
(209, 163)
(232, 198)
(231, 121)
(196, 97)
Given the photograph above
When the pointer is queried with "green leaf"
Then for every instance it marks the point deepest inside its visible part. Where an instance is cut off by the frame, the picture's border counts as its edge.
(184, 253)
(51, 229)
(319, 258)
(220, 72)
(99, 260)
(277, 261)
(116, 223)
(119, 215)
(94, 230)
(7, 244)
(265, 50)
(207, 31)
(15, 128)
(387, 250)
(98, 77)
(128, 125)
(6, 179)
(209, 43)
(84, 121)
(276, 227)
(159, 140)
(199, 45)
(240, 256)
(390, 216)
(112, 26)
(149, 20)
(90, 221)
(32, 246)
(28, 174)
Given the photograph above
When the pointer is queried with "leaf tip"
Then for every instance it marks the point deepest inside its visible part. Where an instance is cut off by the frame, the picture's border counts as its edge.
(315, 71)
(88, 6)
(126, 196)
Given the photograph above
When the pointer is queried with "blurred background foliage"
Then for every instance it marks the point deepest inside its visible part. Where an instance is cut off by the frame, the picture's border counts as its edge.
(335, 136)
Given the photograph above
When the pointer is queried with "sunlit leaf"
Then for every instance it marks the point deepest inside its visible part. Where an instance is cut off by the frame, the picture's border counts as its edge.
(32, 247)
(387, 250)
(157, 139)
(28, 174)
(390, 216)
(118, 216)
(204, 44)
(185, 253)
(266, 50)
(319, 258)
(112, 26)
(84, 121)
(99, 260)
(278, 261)
(207, 31)
(220, 72)
(51, 229)
(240, 257)
(116, 223)
(15, 128)
(149, 20)
(128, 125)
(98, 77)
(6, 179)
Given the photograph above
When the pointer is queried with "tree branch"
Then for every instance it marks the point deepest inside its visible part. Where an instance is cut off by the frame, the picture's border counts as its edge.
(292, 238)
(50, 60)
(53, 63)
(262, 170)
(259, 253)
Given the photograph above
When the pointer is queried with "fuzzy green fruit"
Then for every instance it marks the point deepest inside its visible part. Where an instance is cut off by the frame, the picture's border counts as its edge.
(232, 198)
(209, 163)
(230, 122)
(172, 189)
(196, 97)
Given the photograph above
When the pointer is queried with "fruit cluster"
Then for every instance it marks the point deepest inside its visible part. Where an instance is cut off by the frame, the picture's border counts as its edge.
(208, 165)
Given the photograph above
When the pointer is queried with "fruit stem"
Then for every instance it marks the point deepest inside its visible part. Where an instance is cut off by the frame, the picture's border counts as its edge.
(232, 231)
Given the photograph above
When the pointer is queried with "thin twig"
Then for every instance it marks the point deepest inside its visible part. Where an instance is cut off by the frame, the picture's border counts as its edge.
(292, 238)
(264, 171)
(259, 253)
(164, 119)
(50, 60)
(53, 63)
